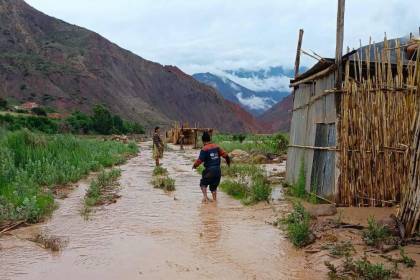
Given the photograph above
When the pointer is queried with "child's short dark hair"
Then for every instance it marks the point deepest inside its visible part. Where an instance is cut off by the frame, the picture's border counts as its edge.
(206, 137)
(156, 128)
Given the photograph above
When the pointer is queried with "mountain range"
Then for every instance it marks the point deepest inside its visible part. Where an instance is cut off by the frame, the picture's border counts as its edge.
(67, 67)
(255, 90)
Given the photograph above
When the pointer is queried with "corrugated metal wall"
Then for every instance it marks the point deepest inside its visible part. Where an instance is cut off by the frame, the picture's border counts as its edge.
(310, 110)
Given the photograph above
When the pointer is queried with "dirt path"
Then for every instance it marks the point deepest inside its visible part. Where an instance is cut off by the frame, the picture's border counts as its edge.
(148, 234)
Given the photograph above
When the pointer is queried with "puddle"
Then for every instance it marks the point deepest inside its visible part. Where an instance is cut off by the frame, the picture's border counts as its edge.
(148, 234)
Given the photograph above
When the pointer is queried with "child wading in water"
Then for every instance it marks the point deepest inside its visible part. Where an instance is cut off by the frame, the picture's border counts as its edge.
(210, 155)
(157, 146)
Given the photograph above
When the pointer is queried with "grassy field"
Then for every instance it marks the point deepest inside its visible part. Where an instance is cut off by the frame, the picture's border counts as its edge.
(246, 183)
(265, 144)
(32, 163)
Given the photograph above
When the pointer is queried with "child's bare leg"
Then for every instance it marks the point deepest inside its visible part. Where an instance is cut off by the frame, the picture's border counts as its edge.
(214, 194)
(204, 190)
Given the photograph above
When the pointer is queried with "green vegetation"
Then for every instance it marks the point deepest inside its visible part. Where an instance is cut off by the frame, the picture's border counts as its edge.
(101, 190)
(298, 189)
(298, 226)
(406, 260)
(360, 269)
(241, 170)
(247, 183)
(39, 111)
(101, 122)
(341, 249)
(164, 182)
(266, 144)
(33, 123)
(161, 179)
(376, 234)
(31, 163)
(3, 104)
(160, 171)
(200, 169)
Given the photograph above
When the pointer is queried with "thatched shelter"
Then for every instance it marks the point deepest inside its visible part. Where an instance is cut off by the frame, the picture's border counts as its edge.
(190, 134)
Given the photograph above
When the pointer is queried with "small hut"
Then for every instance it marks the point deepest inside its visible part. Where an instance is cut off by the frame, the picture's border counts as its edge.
(190, 134)
(352, 141)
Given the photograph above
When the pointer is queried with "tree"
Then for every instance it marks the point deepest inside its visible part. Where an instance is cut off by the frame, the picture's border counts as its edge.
(39, 111)
(118, 124)
(3, 103)
(79, 122)
(102, 120)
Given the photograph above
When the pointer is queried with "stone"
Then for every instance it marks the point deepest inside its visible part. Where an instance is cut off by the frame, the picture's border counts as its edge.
(239, 155)
(322, 210)
(259, 159)
(275, 180)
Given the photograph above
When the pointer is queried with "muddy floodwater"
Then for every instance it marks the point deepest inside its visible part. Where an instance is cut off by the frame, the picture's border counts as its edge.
(150, 234)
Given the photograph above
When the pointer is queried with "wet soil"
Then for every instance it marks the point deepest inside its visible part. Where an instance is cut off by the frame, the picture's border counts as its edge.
(150, 234)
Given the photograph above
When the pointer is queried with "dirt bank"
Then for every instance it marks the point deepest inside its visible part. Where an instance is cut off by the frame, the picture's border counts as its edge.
(149, 234)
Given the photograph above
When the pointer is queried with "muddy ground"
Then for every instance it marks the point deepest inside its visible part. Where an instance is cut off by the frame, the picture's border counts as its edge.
(150, 234)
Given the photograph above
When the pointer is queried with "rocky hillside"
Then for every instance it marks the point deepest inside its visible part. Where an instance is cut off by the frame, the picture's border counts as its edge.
(278, 118)
(67, 67)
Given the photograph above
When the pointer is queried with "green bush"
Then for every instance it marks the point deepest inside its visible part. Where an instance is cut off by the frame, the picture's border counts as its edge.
(266, 144)
(101, 122)
(159, 171)
(298, 189)
(3, 104)
(34, 123)
(376, 234)
(39, 111)
(31, 162)
(298, 226)
(234, 189)
(164, 182)
(101, 189)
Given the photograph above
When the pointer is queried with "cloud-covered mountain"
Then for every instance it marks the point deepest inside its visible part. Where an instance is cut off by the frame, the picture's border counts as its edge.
(255, 90)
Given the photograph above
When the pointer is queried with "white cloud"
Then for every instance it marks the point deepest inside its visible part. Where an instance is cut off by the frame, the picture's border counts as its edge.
(199, 36)
(255, 102)
(258, 84)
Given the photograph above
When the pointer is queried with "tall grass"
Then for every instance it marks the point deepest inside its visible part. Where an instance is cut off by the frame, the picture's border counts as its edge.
(101, 190)
(246, 183)
(30, 163)
(266, 144)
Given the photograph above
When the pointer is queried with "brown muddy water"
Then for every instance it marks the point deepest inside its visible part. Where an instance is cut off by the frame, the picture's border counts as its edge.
(149, 234)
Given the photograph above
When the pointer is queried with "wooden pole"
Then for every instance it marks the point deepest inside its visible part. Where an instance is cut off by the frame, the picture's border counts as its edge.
(299, 47)
(339, 42)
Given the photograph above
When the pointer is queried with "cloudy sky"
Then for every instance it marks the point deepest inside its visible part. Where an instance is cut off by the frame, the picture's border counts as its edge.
(198, 35)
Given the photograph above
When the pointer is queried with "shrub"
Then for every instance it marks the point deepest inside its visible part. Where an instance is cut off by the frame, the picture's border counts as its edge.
(376, 234)
(298, 226)
(159, 171)
(239, 137)
(298, 189)
(234, 189)
(101, 190)
(102, 121)
(260, 188)
(34, 123)
(3, 104)
(79, 122)
(39, 111)
(163, 182)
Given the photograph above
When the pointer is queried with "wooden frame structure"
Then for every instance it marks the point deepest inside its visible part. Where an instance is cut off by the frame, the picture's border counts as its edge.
(190, 134)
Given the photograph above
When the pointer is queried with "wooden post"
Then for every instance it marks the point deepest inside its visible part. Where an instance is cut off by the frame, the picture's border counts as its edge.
(339, 42)
(299, 47)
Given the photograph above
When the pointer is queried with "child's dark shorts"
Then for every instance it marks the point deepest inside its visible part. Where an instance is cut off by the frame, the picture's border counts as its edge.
(211, 177)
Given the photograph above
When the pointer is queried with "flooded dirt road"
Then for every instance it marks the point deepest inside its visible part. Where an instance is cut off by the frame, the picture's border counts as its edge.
(149, 234)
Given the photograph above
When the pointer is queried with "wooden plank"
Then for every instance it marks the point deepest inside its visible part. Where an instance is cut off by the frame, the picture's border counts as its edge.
(299, 47)
(339, 51)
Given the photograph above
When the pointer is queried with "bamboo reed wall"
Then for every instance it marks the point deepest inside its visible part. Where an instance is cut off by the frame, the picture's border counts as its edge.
(409, 213)
(378, 104)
